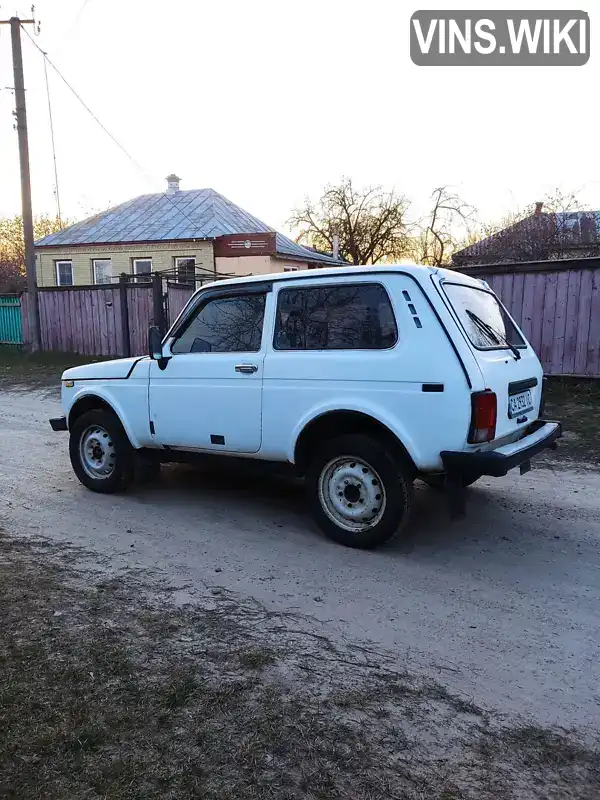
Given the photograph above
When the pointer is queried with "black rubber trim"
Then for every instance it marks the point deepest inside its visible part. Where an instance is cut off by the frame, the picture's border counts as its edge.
(500, 303)
(490, 462)
(258, 287)
(58, 424)
(432, 387)
(373, 271)
(332, 285)
(520, 386)
(267, 286)
(102, 378)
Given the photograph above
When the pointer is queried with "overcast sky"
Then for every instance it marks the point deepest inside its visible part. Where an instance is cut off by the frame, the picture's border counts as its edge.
(268, 101)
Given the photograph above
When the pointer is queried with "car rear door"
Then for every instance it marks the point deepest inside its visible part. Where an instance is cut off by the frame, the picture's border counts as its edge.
(509, 366)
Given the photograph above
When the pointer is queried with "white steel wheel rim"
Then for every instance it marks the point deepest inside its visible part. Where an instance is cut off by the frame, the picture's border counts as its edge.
(97, 452)
(352, 494)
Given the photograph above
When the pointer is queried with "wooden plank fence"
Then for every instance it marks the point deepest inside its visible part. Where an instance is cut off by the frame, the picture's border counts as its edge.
(89, 319)
(177, 297)
(557, 304)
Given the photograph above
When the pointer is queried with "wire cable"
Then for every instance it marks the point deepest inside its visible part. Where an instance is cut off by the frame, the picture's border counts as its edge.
(105, 129)
(52, 140)
(83, 103)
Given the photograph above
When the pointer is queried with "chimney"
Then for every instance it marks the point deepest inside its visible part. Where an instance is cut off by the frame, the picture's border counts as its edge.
(538, 208)
(336, 246)
(172, 183)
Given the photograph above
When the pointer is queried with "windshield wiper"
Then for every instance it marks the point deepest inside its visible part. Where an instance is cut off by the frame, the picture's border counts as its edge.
(493, 334)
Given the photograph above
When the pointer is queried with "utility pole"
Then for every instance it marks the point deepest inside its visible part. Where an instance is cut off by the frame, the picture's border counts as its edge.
(21, 116)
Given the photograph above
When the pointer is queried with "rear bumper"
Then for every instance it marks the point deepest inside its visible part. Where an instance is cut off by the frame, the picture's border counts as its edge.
(540, 435)
(58, 423)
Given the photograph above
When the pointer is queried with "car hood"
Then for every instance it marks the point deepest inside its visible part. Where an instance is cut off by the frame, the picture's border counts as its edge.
(102, 370)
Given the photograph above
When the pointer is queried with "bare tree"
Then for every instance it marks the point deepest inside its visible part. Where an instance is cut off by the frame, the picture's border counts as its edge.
(370, 223)
(554, 228)
(438, 234)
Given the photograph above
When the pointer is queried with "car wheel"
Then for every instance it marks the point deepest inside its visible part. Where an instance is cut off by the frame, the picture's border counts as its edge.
(100, 452)
(439, 481)
(359, 493)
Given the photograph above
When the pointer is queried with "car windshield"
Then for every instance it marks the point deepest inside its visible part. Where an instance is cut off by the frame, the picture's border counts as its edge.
(486, 323)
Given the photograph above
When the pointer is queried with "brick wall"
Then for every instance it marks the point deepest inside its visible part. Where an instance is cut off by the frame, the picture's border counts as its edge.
(122, 255)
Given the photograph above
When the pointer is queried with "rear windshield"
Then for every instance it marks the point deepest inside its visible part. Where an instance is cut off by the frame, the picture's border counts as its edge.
(486, 323)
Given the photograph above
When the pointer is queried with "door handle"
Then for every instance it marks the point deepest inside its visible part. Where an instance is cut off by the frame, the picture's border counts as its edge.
(247, 369)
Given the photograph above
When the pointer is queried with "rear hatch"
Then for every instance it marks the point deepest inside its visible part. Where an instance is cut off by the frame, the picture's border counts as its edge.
(509, 366)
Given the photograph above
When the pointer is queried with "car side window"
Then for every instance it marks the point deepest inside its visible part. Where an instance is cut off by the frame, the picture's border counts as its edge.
(344, 317)
(224, 325)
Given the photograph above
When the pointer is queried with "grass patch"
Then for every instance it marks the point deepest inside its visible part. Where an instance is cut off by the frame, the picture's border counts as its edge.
(575, 403)
(257, 658)
(125, 696)
(20, 367)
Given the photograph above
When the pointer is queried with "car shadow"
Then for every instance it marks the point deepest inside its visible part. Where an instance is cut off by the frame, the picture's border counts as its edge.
(272, 498)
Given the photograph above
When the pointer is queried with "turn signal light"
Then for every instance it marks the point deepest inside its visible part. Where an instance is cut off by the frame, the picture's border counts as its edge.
(484, 412)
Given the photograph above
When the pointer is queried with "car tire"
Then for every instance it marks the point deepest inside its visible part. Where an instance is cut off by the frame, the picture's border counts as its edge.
(359, 492)
(101, 454)
(439, 481)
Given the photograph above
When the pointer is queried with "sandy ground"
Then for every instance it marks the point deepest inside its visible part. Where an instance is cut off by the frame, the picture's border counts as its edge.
(502, 607)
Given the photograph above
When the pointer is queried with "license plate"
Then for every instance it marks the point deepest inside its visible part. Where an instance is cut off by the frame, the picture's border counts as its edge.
(520, 403)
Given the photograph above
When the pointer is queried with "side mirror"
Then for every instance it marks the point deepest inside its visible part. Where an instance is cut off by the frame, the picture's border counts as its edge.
(155, 344)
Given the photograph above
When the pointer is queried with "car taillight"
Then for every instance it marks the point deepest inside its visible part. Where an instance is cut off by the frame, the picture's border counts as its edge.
(484, 410)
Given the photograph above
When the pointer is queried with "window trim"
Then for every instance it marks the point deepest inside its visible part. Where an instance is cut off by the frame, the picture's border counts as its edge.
(207, 297)
(177, 259)
(142, 274)
(334, 285)
(492, 347)
(94, 275)
(57, 264)
(304, 275)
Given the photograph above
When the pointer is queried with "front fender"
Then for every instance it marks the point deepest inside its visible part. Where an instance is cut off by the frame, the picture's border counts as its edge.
(70, 397)
(374, 410)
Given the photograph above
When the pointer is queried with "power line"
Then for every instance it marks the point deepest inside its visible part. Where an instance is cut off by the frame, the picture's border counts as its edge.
(53, 146)
(104, 128)
(83, 103)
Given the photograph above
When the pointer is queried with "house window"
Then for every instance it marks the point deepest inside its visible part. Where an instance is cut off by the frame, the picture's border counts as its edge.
(342, 317)
(102, 270)
(64, 273)
(290, 269)
(143, 268)
(185, 270)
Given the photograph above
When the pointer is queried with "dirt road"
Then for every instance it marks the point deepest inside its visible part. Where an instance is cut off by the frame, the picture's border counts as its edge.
(503, 607)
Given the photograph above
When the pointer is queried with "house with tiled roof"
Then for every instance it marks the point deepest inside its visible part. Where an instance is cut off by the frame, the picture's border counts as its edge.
(183, 234)
(539, 237)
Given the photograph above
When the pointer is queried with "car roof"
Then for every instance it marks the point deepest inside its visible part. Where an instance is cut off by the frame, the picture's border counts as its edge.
(418, 270)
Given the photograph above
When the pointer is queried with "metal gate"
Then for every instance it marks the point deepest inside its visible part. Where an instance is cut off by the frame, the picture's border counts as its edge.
(11, 331)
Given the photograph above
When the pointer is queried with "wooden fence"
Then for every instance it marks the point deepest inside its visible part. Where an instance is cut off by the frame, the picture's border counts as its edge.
(177, 297)
(108, 320)
(557, 305)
